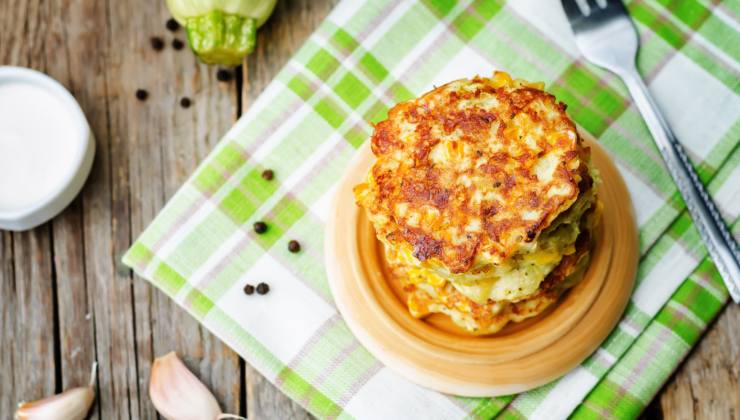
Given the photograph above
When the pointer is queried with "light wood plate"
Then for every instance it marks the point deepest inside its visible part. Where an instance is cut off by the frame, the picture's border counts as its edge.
(434, 352)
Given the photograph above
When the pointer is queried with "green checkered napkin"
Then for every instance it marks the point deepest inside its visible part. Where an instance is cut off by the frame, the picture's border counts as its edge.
(309, 122)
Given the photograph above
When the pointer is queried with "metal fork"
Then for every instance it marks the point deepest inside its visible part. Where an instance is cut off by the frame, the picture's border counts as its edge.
(606, 36)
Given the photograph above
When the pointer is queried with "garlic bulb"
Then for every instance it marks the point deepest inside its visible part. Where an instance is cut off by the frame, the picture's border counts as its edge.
(72, 404)
(178, 394)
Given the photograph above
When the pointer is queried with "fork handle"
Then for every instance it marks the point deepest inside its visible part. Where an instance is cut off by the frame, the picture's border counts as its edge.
(717, 238)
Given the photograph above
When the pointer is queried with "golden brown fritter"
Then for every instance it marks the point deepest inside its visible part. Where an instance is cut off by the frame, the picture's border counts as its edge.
(425, 297)
(472, 171)
(483, 197)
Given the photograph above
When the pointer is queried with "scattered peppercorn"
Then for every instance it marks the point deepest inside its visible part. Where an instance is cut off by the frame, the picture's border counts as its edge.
(141, 94)
(268, 174)
(294, 246)
(249, 289)
(223, 75)
(263, 288)
(172, 24)
(157, 43)
(185, 102)
(177, 44)
(260, 227)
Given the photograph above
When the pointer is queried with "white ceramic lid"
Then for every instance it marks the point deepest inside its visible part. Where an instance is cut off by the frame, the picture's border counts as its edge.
(70, 174)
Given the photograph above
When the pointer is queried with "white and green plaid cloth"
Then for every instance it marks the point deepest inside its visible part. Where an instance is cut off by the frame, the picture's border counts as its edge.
(367, 56)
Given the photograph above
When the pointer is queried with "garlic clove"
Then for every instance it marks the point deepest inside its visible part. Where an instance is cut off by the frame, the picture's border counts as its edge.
(72, 404)
(69, 405)
(178, 394)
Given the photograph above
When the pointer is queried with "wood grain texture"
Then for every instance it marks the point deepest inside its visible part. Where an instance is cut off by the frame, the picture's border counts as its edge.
(30, 370)
(707, 385)
(29, 327)
(65, 299)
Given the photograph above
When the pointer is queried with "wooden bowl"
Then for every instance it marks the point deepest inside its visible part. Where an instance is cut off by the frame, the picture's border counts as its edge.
(437, 354)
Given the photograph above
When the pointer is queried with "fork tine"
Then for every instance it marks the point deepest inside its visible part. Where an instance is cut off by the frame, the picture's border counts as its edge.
(616, 5)
(572, 10)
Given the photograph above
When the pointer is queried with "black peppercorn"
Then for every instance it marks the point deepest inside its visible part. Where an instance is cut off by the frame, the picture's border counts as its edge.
(268, 174)
(141, 94)
(157, 43)
(177, 44)
(223, 75)
(249, 289)
(172, 24)
(260, 227)
(263, 288)
(294, 246)
(185, 102)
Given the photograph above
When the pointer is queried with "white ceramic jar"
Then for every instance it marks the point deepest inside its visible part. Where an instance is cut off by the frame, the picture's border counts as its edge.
(46, 148)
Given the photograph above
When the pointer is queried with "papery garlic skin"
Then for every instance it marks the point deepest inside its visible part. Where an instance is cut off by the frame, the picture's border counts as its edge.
(72, 404)
(178, 394)
(69, 405)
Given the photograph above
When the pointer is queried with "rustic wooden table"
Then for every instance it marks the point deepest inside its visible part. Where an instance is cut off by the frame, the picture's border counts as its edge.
(65, 297)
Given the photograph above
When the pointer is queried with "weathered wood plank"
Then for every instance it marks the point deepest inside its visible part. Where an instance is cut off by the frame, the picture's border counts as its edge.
(68, 34)
(94, 297)
(164, 143)
(29, 367)
(706, 385)
(106, 233)
(76, 332)
(32, 339)
(282, 35)
(8, 397)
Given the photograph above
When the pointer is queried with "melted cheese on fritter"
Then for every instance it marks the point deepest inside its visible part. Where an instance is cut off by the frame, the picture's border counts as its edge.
(428, 293)
(471, 172)
(519, 276)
